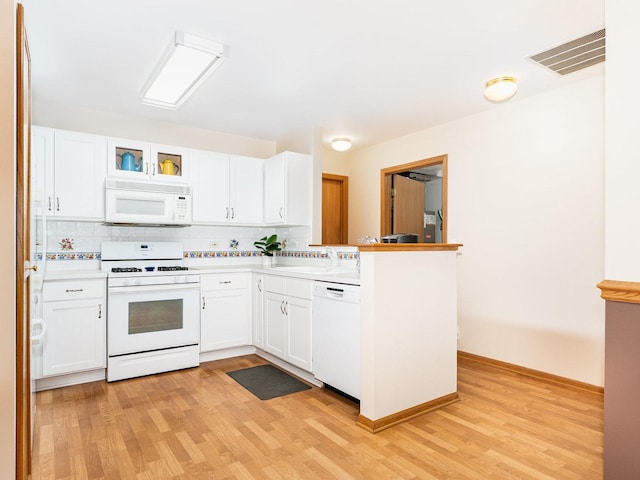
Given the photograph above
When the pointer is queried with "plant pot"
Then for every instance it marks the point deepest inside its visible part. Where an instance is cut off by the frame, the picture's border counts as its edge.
(267, 261)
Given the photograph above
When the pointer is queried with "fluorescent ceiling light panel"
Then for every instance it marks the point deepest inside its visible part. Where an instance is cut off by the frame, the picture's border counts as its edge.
(186, 64)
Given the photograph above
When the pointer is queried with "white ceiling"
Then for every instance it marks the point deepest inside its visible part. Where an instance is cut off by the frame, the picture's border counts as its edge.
(370, 70)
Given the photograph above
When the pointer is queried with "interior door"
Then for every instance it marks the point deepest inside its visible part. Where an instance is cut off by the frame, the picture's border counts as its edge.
(335, 199)
(23, 205)
(408, 206)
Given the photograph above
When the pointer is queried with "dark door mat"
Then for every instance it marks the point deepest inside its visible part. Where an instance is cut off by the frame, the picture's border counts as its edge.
(267, 381)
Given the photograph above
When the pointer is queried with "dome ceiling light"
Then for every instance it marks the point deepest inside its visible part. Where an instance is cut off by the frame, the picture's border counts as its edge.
(341, 144)
(500, 89)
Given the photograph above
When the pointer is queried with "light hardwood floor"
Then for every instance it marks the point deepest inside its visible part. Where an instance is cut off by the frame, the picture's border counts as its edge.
(201, 424)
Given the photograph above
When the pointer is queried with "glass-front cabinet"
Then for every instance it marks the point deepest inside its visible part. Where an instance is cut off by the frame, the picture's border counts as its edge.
(146, 161)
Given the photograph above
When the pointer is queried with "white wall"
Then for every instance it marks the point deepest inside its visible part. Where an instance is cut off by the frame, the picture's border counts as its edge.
(334, 162)
(99, 122)
(622, 233)
(526, 199)
(8, 239)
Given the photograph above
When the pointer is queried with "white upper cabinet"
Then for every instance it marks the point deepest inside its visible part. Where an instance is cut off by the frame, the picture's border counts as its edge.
(246, 176)
(144, 161)
(288, 187)
(75, 167)
(226, 188)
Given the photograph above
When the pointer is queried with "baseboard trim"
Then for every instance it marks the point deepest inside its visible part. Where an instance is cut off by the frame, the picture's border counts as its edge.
(537, 374)
(375, 426)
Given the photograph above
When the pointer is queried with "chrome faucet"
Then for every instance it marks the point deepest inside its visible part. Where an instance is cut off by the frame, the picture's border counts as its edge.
(333, 255)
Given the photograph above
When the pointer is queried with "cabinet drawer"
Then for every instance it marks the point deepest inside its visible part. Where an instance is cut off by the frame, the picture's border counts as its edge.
(298, 287)
(224, 281)
(275, 284)
(73, 290)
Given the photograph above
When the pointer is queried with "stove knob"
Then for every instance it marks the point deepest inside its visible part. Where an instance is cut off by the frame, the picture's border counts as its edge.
(125, 282)
(138, 281)
(176, 279)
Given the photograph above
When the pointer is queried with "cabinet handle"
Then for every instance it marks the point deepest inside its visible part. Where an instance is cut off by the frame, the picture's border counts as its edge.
(225, 282)
(282, 307)
(260, 285)
(227, 215)
(49, 203)
(146, 168)
(73, 290)
(57, 204)
(233, 213)
(286, 308)
(99, 310)
(280, 212)
(154, 169)
(204, 304)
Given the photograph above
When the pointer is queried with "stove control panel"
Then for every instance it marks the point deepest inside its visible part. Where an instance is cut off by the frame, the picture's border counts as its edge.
(142, 280)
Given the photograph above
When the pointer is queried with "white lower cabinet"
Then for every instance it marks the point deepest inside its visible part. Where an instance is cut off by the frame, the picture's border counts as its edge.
(225, 315)
(287, 319)
(257, 309)
(74, 312)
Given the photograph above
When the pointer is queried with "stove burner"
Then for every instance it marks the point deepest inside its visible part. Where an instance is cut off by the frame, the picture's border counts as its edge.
(125, 269)
(172, 269)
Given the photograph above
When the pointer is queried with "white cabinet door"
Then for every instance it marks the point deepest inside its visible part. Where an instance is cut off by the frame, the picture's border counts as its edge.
(79, 169)
(170, 164)
(144, 161)
(246, 180)
(75, 338)
(288, 187)
(257, 315)
(287, 319)
(225, 317)
(274, 190)
(226, 189)
(275, 324)
(298, 350)
(43, 152)
(210, 187)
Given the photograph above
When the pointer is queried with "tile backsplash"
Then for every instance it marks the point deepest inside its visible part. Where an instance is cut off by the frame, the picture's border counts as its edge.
(87, 237)
(83, 240)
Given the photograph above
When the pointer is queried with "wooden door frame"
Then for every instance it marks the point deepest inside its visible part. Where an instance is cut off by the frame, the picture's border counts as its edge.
(23, 204)
(344, 202)
(385, 190)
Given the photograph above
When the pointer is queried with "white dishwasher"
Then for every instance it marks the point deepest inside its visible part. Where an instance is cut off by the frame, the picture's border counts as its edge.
(336, 336)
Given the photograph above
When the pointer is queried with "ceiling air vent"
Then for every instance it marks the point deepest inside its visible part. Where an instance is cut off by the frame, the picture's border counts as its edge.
(574, 55)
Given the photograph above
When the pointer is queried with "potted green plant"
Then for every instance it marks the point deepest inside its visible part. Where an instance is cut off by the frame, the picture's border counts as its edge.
(268, 245)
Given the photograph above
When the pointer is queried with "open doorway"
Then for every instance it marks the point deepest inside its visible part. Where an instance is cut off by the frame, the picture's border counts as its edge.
(414, 199)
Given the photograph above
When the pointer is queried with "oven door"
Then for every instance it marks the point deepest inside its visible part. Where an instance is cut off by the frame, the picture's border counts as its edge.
(152, 317)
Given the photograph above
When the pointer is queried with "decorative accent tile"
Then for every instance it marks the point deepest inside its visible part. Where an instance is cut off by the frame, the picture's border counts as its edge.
(66, 244)
(317, 254)
(302, 254)
(233, 243)
(74, 256)
(220, 254)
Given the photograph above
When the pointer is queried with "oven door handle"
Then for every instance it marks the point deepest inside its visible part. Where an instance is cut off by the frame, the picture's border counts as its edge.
(172, 287)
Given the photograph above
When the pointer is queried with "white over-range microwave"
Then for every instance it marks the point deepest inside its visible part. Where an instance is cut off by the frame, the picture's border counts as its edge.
(140, 203)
